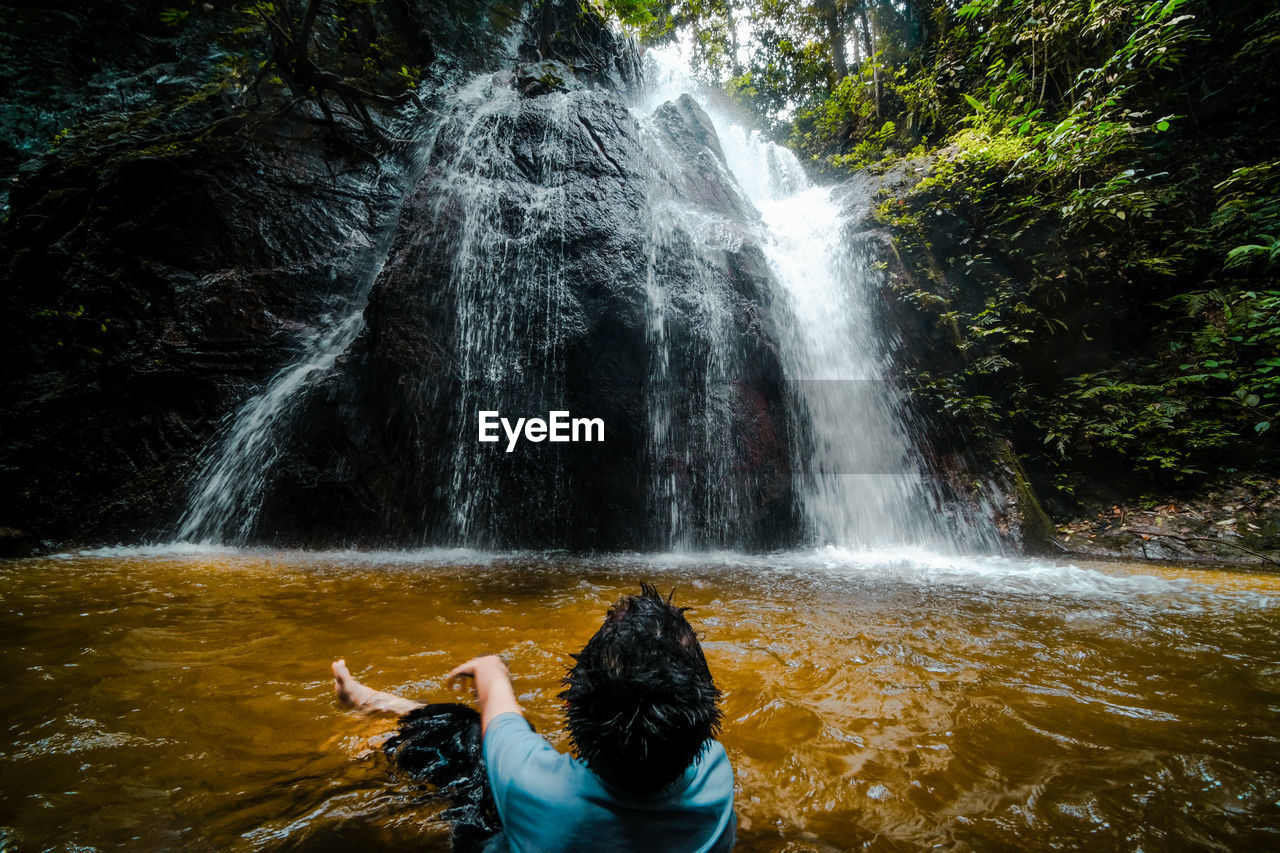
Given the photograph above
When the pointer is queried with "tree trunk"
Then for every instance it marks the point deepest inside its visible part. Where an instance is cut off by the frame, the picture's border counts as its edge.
(735, 65)
(545, 27)
(869, 45)
(835, 38)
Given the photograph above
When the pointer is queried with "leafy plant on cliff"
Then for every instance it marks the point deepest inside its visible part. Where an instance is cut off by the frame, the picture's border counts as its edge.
(294, 55)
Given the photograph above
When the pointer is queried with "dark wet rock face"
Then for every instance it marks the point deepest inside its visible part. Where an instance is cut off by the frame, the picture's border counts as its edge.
(159, 292)
(516, 283)
(173, 245)
(182, 244)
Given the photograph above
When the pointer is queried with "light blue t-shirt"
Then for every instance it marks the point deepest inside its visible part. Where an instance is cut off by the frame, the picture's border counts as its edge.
(550, 801)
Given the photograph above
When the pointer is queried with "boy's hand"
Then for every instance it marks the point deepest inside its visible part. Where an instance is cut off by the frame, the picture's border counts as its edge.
(492, 685)
(483, 668)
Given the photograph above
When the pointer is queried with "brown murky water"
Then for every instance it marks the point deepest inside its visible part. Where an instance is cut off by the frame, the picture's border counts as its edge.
(160, 701)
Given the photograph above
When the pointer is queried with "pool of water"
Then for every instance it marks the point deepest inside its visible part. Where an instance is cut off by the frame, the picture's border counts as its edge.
(180, 698)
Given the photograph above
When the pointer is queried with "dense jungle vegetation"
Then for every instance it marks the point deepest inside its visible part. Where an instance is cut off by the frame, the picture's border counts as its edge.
(1093, 232)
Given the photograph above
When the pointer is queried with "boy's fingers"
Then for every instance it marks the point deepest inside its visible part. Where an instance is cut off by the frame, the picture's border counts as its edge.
(465, 670)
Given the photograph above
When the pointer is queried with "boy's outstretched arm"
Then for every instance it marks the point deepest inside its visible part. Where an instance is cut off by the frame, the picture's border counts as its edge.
(493, 687)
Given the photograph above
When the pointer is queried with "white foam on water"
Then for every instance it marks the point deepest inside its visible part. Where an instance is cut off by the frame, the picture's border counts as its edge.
(913, 567)
(162, 551)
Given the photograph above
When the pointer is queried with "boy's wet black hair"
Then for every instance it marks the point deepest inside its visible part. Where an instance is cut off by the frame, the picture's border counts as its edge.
(641, 701)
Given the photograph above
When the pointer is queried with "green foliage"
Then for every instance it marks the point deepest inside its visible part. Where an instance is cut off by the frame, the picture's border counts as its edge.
(410, 75)
(174, 17)
(1226, 391)
(871, 148)
(1111, 303)
(634, 14)
(1267, 252)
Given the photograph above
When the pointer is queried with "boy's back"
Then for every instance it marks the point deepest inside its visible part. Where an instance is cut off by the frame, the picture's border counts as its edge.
(550, 801)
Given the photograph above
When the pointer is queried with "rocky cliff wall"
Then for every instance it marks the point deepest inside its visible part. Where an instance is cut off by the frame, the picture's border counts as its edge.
(176, 223)
(180, 244)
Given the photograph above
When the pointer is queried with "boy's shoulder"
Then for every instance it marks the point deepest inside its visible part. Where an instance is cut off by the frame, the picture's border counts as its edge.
(516, 755)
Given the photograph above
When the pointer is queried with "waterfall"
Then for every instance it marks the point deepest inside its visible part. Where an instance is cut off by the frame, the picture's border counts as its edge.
(234, 472)
(864, 485)
(505, 292)
(223, 508)
(745, 307)
(861, 479)
(693, 500)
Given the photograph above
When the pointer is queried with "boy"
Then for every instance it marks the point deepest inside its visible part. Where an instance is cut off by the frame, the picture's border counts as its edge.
(642, 717)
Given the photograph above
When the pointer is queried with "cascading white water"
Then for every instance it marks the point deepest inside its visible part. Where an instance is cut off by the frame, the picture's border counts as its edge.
(865, 485)
(693, 500)
(506, 289)
(234, 474)
(862, 482)
(664, 485)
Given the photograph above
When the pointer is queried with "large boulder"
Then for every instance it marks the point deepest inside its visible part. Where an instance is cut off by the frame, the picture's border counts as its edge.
(554, 252)
(195, 230)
